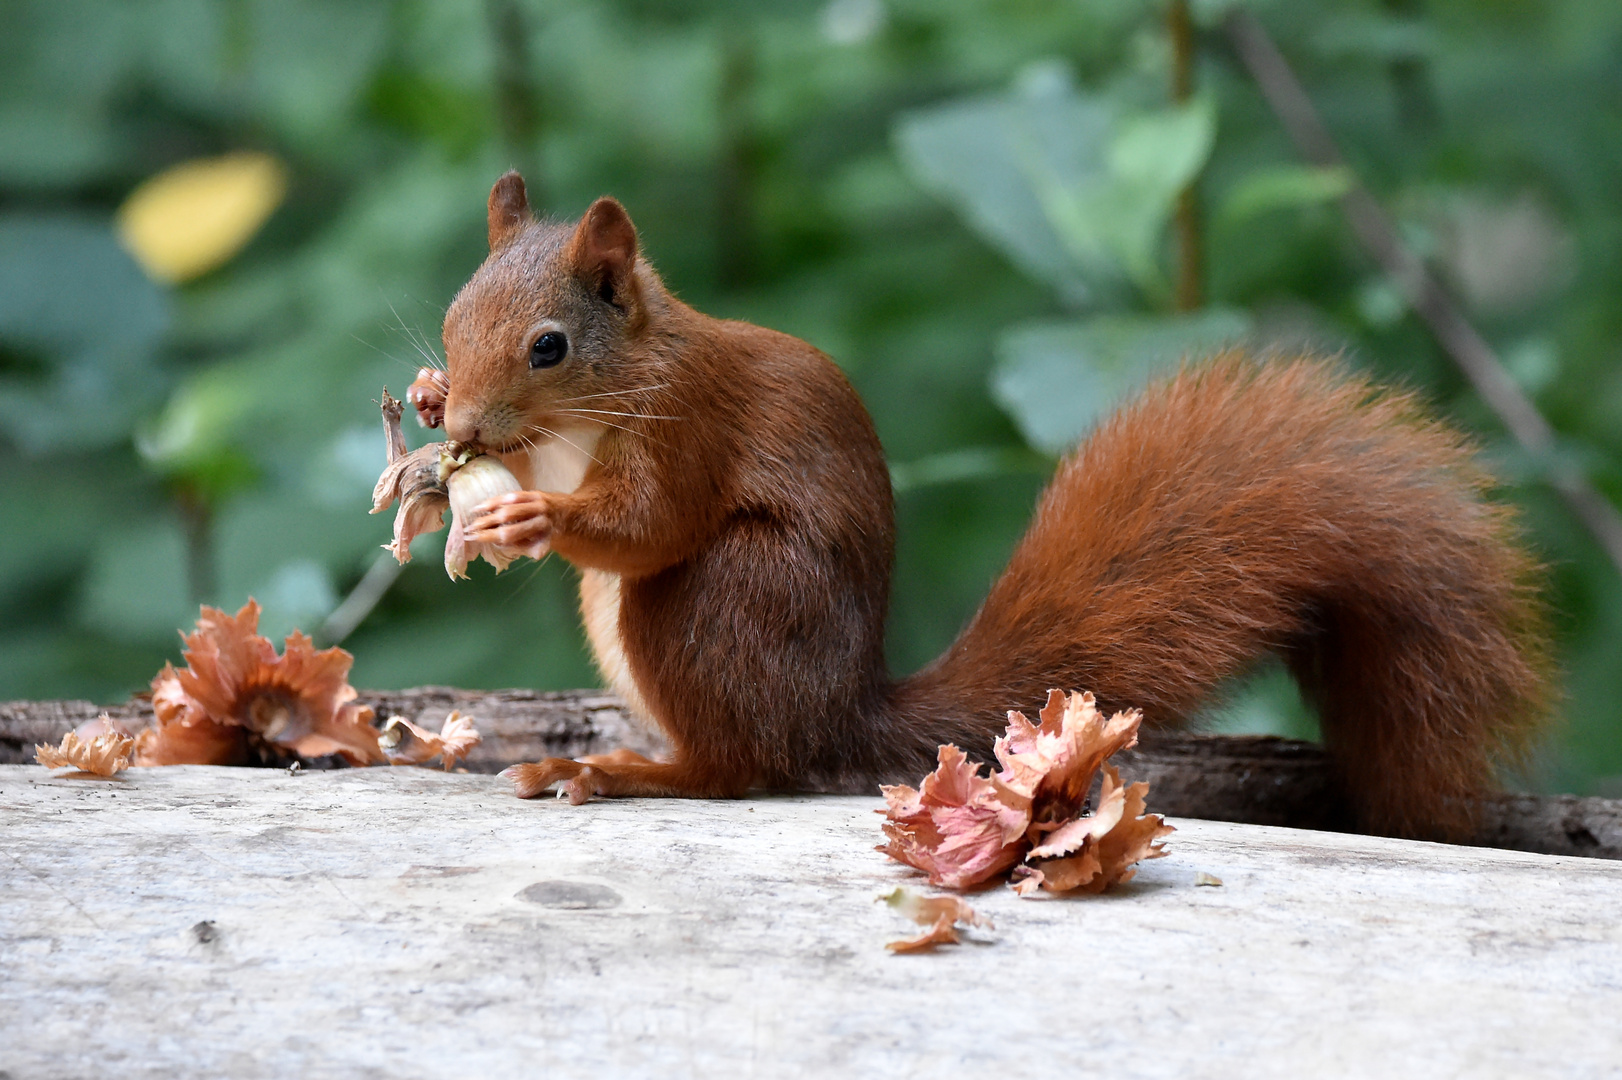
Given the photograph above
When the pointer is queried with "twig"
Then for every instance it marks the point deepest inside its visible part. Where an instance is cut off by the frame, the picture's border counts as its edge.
(738, 163)
(197, 521)
(517, 92)
(1190, 256)
(1375, 230)
(354, 608)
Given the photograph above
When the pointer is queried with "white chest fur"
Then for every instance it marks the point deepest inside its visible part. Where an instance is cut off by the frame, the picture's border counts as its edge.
(600, 610)
(560, 465)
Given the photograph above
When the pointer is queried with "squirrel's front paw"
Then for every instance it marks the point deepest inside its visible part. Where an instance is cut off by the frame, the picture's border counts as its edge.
(520, 521)
(427, 394)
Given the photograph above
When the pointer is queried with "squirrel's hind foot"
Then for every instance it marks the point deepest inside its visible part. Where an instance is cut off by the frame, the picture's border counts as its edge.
(578, 777)
(532, 778)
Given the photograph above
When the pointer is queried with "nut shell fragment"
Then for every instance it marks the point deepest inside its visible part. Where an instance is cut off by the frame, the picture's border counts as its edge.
(404, 743)
(104, 755)
(413, 477)
(940, 913)
(475, 481)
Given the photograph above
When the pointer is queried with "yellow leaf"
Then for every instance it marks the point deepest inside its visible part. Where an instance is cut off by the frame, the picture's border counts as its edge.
(195, 216)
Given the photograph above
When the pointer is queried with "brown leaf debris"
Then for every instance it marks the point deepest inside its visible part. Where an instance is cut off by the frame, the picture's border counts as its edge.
(961, 828)
(105, 754)
(956, 827)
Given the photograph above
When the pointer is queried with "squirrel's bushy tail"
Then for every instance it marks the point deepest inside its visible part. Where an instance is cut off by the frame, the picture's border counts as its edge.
(1241, 508)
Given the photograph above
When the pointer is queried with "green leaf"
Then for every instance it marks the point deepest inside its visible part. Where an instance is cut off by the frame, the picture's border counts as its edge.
(1266, 702)
(1376, 37)
(1058, 379)
(1152, 157)
(49, 143)
(198, 435)
(94, 492)
(999, 158)
(258, 535)
(969, 463)
(309, 63)
(1282, 187)
(1076, 190)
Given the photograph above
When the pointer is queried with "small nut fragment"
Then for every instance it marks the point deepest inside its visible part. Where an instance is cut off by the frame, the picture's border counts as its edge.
(104, 755)
(404, 743)
(394, 732)
(939, 913)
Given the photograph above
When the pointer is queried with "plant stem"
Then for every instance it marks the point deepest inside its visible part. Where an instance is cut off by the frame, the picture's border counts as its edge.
(197, 518)
(366, 594)
(1410, 80)
(1457, 336)
(1190, 250)
(739, 160)
(517, 97)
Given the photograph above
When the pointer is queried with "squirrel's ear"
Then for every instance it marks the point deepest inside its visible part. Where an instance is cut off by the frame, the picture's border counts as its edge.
(603, 250)
(509, 209)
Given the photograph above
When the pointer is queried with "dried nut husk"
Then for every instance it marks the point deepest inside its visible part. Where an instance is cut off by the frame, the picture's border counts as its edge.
(235, 692)
(961, 827)
(430, 479)
(472, 482)
(392, 408)
(104, 724)
(415, 478)
(105, 754)
(404, 743)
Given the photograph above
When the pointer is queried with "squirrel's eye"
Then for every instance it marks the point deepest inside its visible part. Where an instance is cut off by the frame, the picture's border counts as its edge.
(549, 349)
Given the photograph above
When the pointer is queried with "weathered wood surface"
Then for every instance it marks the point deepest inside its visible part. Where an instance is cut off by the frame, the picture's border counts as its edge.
(1245, 778)
(200, 922)
(517, 725)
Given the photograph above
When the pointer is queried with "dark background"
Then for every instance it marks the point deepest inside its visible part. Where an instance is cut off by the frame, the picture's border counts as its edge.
(968, 204)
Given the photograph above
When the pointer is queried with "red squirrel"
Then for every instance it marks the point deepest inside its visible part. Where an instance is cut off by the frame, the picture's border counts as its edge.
(725, 497)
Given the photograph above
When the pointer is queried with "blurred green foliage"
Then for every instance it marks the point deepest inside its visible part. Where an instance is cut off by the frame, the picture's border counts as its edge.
(965, 202)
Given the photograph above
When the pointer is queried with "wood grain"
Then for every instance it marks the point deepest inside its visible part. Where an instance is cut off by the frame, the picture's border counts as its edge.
(405, 923)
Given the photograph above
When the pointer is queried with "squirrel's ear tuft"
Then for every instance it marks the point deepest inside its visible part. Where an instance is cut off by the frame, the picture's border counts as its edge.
(603, 250)
(509, 210)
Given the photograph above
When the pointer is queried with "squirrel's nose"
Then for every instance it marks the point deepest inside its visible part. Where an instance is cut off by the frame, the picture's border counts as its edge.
(461, 423)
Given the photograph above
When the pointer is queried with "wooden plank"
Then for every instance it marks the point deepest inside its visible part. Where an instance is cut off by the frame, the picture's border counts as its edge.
(517, 725)
(1247, 778)
(406, 923)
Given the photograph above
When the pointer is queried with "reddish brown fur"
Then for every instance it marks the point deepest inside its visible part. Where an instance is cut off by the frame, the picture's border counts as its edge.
(1234, 510)
(1239, 509)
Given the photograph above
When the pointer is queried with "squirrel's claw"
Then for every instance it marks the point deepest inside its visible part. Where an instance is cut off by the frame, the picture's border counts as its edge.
(582, 786)
(427, 395)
